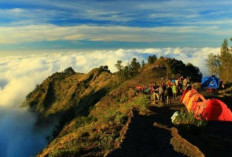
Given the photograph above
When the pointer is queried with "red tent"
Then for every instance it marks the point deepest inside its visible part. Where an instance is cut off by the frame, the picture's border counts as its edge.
(216, 110)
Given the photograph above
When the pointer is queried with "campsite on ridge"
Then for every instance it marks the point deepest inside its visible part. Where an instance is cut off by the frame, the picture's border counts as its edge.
(122, 114)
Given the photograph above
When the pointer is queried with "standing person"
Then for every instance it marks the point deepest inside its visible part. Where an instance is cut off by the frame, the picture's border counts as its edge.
(173, 80)
(177, 82)
(156, 92)
(168, 94)
(169, 82)
(188, 81)
(164, 89)
(174, 91)
(151, 88)
(180, 87)
(161, 93)
(185, 83)
(221, 85)
(146, 90)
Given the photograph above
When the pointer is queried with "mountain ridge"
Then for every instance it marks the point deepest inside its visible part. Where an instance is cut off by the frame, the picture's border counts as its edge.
(94, 109)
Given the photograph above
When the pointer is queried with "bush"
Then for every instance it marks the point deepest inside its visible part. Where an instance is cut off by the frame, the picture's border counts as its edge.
(129, 71)
(140, 103)
(106, 141)
(187, 118)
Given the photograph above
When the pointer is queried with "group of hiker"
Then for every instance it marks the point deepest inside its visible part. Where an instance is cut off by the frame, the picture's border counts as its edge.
(166, 90)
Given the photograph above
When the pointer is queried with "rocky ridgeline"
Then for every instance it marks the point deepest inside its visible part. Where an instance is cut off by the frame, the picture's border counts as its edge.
(94, 110)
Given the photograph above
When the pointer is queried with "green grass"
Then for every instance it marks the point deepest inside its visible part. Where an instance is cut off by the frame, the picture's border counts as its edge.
(140, 103)
(188, 118)
(101, 130)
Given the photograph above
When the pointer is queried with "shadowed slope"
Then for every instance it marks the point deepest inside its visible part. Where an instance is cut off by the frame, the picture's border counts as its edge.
(144, 139)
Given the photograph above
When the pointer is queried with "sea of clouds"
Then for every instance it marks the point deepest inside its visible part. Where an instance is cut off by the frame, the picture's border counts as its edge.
(19, 74)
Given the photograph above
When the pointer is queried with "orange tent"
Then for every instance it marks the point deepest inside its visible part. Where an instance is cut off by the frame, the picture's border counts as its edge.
(188, 96)
(192, 103)
(183, 95)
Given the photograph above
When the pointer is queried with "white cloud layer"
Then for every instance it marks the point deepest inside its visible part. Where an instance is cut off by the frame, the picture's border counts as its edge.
(19, 75)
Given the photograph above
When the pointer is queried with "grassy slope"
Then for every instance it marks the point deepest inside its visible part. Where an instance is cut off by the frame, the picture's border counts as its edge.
(60, 92)
(102, 130)
(105, 129)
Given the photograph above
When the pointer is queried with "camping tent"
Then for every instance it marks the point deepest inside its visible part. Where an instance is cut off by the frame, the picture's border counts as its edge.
(208, 109)
(210, 82)
(216, 110)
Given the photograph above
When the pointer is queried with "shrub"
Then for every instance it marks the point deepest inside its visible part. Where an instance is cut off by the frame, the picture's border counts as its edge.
(188, 119)
(142, 103)
(106, 141)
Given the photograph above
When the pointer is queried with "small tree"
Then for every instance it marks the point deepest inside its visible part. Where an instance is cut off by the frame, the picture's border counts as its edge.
(118, 65)
(213, 64)
(125, 74)
(134, 67)
(225, 58)
(129, 71)
(143, 63)
(152, 59)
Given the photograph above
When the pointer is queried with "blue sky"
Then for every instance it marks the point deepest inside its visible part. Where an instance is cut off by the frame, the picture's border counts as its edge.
(93, 24)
